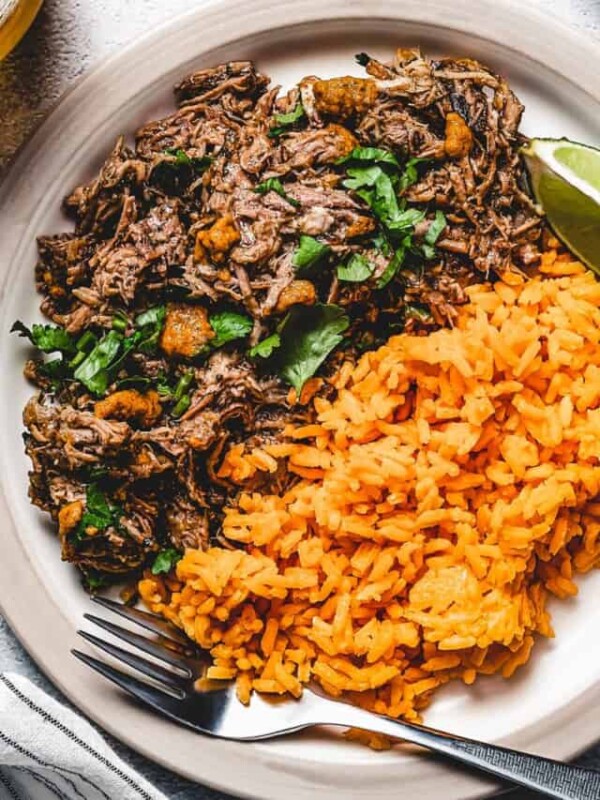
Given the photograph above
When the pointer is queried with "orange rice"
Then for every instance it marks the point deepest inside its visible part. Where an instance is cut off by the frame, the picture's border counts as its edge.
(443, 494)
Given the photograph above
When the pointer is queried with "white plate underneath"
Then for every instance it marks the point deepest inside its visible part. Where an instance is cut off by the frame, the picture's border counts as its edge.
(552, 706)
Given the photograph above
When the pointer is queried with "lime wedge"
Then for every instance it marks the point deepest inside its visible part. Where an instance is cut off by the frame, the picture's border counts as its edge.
(565, 179)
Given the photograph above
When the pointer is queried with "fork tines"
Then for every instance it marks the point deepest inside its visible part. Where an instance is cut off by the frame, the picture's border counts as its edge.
(168, 646)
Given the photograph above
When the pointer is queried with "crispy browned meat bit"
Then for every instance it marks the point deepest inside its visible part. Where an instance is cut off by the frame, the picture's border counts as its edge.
(217, 240)
(69, 517)
(459, 138)
(205, 220)
(344, 97)
(296, 293)
(130, 405)
(187, 331)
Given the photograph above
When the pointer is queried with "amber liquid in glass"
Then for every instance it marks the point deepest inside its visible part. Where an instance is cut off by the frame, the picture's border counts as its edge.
(15, 18)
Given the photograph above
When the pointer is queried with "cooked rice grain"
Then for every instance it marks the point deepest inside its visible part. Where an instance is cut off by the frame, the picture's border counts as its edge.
(448, 489)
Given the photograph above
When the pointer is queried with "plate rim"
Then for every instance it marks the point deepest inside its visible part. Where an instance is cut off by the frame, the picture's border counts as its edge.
(578, 59)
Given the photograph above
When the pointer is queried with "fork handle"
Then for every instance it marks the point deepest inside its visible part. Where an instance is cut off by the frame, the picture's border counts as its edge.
(553, 778)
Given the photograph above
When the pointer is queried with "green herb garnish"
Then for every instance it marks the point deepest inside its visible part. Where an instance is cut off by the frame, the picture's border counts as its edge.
(99, 513)
(182, 395)
(275, 185)
(358, 268)
(95, 580)
(228, 326)
(309, 253)
(376, 188)
(120, 322)
(362, 59)
(418, 311)
(410, 173)
(375, 155)
(99, 367)
(308, 336)
(283, 121)
(394, 265)
(182, 159)
(378, 184)
(47, 338)
(149, 326)
(165, 561)
(265, 348)
(433, 234)
(94, 371)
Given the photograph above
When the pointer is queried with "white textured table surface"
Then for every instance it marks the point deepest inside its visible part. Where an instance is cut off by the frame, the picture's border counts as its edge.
(66, 40)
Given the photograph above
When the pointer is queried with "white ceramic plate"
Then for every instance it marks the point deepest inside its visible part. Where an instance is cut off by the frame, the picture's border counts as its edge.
(552, 706)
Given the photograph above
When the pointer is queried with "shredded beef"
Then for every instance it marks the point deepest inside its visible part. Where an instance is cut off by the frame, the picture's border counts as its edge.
(185, 218)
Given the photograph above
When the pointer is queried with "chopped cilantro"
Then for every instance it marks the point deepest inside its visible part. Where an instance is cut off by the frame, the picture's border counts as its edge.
(418, 311)
(308, 336)
(94, 370)
(376, 155)
(265, 348)
(410, 173)
(284, 121)
(275, 185)
(309, 253)
(228, 326)
(182, 159)
(149, 326)
(433, 233)
(358, 268)
(99, 513)
(165, 561)
(47, 338)
(394, 265)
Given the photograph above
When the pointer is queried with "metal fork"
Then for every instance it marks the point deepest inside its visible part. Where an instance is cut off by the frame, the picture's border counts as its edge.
(180, 691)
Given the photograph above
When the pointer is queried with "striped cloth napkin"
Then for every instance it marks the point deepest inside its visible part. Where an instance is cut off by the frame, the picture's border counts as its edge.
(48, 752)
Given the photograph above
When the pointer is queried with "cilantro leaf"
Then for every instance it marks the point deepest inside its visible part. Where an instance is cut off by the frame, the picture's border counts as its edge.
(410, 174)
(362, 59)
(308, 336)
(392, 268)
(94, 370)
(418, 311)
(99, 513)
(182, 159)
(95, 580)
(375, 187)
(433, 233)
(173, 176)
(275, 185)
(435, 228)
(285, 120)
(406, 220)
(357, 269)
(265, 348)
(310, 251)
(47, 338)
(165, 561)
(149, 326)
(374, 154)
(229, 325)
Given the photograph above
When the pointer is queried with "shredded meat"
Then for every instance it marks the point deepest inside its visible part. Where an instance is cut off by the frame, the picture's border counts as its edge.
(205, 214)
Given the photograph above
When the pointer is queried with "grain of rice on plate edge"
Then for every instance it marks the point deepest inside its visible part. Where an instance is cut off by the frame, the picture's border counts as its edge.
(444, 493)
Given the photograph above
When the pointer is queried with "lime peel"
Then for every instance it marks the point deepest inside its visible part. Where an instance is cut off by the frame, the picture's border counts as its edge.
(565, 179)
